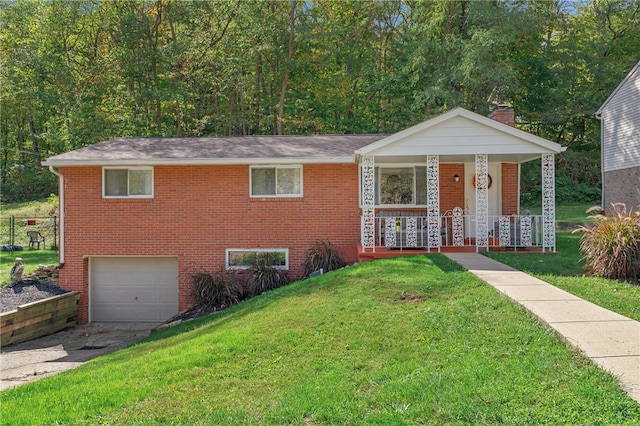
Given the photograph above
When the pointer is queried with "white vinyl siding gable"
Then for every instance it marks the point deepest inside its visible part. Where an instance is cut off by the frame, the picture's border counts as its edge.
(621, 125)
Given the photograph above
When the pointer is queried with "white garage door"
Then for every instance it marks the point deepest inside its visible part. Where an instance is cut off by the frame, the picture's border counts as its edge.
(133, 289)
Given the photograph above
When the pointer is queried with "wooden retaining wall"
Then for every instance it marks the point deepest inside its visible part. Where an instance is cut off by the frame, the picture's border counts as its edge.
(39, 318)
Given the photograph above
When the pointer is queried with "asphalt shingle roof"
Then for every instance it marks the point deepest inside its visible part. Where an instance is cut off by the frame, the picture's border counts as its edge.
(243, 149)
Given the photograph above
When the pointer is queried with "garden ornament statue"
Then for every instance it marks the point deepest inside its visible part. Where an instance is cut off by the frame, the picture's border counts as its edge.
(17, 270)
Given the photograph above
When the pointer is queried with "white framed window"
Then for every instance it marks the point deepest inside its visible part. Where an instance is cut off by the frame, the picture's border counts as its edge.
(275, 181)
(127, 182)
(402, 185)
(247, 258)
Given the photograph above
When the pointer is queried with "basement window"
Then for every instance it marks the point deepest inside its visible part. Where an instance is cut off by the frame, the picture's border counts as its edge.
(129, 182)
(248, 258)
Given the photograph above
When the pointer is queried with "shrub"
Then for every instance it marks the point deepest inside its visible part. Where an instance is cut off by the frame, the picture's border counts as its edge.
(322, 255)
(215, 290)
(611, 247)
(264, 276)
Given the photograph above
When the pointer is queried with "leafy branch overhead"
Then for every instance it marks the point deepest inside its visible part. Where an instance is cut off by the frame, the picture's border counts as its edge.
(76, 73)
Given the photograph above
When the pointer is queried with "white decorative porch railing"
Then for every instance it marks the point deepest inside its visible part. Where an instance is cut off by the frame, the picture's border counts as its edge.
(407, 230)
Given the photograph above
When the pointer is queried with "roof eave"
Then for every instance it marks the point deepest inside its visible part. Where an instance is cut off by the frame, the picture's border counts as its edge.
(599, 111)
(350, 159)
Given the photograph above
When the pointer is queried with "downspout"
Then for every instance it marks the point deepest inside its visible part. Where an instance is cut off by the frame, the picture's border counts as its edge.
(61, 200)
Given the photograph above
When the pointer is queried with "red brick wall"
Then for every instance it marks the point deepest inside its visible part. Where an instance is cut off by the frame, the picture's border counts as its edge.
(451, 192)
(504, 115)
(197, 213)
(509, 188)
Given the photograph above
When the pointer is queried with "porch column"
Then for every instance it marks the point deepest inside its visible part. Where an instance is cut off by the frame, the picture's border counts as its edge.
(368, 225)
(548, 202)
(482, 201)
(433, 201)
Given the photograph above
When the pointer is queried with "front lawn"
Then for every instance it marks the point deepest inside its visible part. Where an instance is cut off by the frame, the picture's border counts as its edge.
(413, 340)
(574, 213)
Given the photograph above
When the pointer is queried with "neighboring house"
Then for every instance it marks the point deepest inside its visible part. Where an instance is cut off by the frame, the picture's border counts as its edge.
(139, 216)
(620, 143)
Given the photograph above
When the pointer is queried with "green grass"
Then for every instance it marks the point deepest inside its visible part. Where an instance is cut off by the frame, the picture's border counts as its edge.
(29, 208)
(30, 258)
(564, 270)
(566, 212)
(413, 340)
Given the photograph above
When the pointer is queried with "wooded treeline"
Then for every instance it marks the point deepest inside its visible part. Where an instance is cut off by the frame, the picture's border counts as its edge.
(76, 72)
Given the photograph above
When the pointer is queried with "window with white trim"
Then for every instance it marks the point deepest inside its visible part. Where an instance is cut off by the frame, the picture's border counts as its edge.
(248, 258)
(401, 185)
(127, 182)
(276, 181)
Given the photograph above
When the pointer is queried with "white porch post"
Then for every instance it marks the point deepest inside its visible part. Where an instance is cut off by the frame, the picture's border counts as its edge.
(482, 201)
(368, 225)
(433, 201)
(548, 202)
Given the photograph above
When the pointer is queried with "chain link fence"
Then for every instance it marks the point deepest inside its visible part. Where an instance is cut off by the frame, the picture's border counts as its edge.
(13, 232)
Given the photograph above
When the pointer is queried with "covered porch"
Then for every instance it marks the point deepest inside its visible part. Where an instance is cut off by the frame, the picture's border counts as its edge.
(452, 183)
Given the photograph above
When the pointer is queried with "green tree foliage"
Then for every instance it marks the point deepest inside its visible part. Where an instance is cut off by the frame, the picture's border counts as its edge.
(74, 73)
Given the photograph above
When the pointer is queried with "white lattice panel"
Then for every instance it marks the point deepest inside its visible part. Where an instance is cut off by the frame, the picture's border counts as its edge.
(457, 226)
(390, 232)
(525, 231)
(482, 200)
(548, 202)
(505, 231)
(368, 203)
(433, 201)
(412, 231)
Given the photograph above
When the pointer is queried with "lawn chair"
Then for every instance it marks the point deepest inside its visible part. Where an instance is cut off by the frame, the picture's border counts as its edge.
(35, 237)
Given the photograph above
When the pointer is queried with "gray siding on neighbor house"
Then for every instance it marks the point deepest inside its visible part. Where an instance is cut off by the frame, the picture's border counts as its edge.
(620, 115)
(622, 186)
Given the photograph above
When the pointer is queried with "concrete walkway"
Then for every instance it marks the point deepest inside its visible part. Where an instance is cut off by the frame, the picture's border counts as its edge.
(609, 339)
(48, 355)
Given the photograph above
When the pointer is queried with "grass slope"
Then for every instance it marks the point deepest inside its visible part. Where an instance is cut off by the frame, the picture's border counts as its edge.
(414, 340)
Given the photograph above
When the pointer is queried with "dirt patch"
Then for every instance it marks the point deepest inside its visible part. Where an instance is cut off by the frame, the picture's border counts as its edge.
(408, 298)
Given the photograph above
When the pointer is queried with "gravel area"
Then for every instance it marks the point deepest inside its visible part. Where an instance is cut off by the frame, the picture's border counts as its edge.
(26, 291)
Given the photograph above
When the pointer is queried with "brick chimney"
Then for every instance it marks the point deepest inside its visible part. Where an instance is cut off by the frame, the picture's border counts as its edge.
(504, 114)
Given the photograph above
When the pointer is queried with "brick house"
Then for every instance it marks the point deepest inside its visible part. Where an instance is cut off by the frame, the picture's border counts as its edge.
(140, 215)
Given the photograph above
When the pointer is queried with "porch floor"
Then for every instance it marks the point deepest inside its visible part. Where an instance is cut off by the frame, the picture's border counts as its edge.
(383, 252)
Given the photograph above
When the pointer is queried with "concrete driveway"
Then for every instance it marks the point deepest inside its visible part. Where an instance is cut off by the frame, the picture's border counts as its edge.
(49, 355)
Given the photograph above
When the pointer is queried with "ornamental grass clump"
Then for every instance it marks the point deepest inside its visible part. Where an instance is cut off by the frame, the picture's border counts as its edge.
(322, 255)
(611, 247)
(265, 276)
(216, 290)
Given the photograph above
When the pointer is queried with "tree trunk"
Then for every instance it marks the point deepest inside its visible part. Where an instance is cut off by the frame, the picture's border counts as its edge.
(34, 140)
(287, 70)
